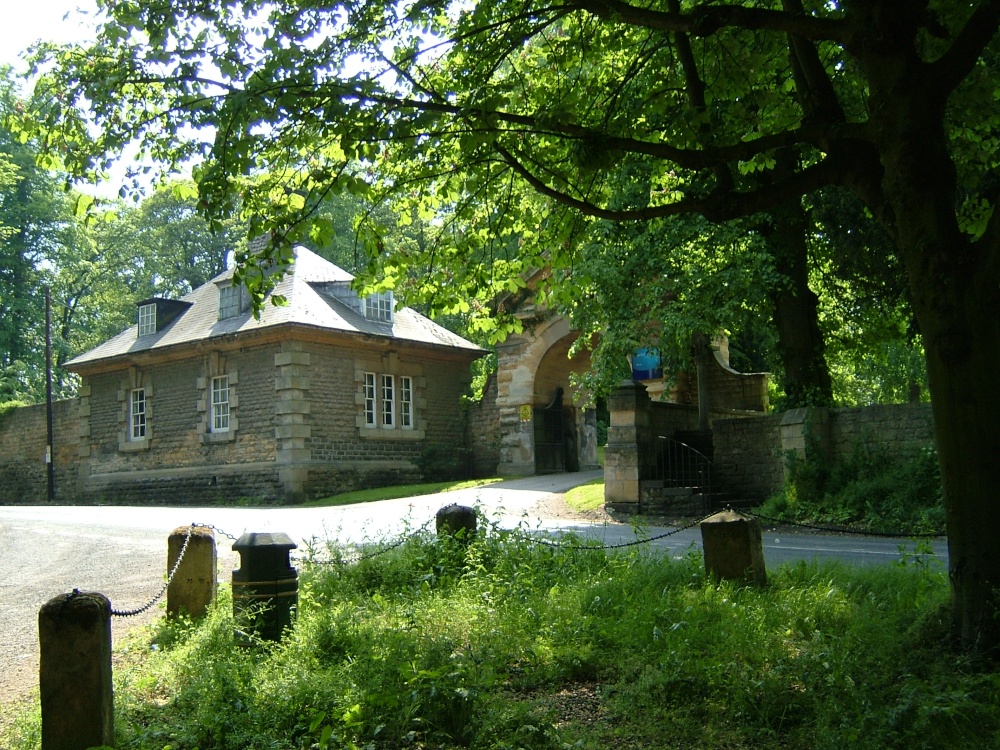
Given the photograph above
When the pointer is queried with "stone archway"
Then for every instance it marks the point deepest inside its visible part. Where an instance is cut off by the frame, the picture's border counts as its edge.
(532, 368)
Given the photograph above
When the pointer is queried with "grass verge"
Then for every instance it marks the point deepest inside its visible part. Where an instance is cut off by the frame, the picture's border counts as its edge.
(503, 644)
(397, 491)
(589, 496)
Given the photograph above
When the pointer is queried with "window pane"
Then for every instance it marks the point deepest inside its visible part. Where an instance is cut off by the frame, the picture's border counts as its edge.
(229, 301)
(379, 306)
(369, 395)
(406, 402)
(220, 404)
(388, 401)
(147, 319)
(137, 414)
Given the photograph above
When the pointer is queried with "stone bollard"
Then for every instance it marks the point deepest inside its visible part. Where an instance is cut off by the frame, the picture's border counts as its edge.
(74, 639)
(192, 589)
(455, 518)
(733, 548)
(266, 586)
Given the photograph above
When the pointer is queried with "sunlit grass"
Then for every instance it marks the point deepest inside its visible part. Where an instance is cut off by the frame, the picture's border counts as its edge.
(398, 491)
(588, 496)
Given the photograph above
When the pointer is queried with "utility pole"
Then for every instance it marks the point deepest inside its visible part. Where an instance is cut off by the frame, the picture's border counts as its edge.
(49, 455)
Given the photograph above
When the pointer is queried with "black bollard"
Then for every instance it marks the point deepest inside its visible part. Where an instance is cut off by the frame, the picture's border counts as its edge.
(456, 520)
(266, 586)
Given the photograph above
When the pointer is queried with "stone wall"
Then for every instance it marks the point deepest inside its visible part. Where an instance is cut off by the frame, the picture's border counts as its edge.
(732, 390)
(181, 461)
(483, 433)
(895, 428)
(748, 456)
(23, 475)
(749, 451)
(665, 418)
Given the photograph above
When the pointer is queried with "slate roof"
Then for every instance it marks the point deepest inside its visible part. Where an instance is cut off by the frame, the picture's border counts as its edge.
(307, 286)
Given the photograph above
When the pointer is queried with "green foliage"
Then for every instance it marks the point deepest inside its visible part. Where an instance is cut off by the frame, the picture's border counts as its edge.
(6, 407)
(502, 643)
(871, 488)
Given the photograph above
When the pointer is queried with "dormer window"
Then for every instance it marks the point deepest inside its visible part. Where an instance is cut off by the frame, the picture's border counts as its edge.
(379, 306)
(229, 301)
(156, 313)
(147, 319)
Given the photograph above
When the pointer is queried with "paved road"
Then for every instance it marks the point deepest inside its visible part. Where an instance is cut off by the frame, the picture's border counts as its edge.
(121, 551)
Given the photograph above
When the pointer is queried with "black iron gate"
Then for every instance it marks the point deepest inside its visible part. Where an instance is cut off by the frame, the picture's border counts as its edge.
(550, 450)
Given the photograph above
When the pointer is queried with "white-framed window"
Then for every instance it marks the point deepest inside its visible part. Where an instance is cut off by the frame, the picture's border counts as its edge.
(369, 396)
(379, 306)
(388, 401)
(147, 319)
(220, 404)
(229, 301)
(137, 414)
(406, 402)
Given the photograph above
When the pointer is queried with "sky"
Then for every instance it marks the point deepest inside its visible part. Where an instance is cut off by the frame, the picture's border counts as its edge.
(26, 21)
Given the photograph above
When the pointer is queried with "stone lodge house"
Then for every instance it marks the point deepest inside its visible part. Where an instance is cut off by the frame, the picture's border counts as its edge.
(200, 401)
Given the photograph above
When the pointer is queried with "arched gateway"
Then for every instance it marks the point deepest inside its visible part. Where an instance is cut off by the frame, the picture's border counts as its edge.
(546, 424)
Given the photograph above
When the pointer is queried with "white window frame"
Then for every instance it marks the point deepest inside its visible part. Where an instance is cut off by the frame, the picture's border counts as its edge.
(219, 416)
(379, 306)
(388, 393)
(137, 414)
(230, 302)
(147, 319)
(369, 397)
(405, 402)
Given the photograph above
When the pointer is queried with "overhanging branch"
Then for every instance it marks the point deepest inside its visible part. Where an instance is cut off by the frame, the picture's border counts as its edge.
(705, 20)
(951, 68)
(718, 206)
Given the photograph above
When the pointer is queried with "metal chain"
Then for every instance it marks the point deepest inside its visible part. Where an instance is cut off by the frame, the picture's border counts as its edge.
(217, 530)
(841, 530)
(170, 577)
(370, 555)
(623, 545)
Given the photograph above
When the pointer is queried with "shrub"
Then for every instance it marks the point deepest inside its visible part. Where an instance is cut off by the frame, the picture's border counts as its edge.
(870, 488)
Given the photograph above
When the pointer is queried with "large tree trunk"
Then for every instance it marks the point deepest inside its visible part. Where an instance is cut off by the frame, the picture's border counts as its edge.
(955, 291)
(963, 362)
(800, 341)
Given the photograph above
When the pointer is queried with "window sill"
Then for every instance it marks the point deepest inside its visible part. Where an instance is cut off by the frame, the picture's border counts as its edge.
(211, 438)
(134, 446)
(395, 433)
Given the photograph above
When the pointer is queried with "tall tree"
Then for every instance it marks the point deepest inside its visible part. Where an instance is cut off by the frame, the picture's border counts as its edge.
(891, 99)
(35, 216)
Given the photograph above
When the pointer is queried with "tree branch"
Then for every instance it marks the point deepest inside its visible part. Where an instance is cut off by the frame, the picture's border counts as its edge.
(816, 134)
(953, 66)
(718, 206)
(815, 89)
(705, 20)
